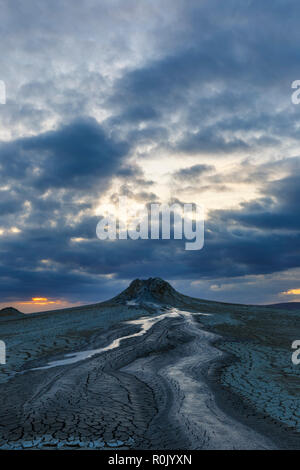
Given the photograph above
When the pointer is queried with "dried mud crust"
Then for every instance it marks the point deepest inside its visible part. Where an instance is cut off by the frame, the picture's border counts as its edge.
(149, 393)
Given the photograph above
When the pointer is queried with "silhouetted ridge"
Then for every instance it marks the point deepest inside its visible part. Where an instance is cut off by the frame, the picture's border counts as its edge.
(153, 290)
(10, 313)
(8, 310)
(286, 306)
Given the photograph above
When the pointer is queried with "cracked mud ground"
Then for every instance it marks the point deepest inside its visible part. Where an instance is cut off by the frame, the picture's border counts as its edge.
(90, 401)
(219, 379)
(148, 393)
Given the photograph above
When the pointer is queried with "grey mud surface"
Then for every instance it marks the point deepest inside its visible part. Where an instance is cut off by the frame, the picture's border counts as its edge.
(151, 392)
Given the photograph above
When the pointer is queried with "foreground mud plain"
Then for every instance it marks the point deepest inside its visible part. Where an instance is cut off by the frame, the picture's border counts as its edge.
(188, 374)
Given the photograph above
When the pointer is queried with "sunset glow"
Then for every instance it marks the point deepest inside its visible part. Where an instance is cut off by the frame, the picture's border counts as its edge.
(40, 301)
(292, 292)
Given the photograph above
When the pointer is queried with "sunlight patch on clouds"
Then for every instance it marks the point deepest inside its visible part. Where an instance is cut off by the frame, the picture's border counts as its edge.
(43, 301)
(79, 239)
(292, 292)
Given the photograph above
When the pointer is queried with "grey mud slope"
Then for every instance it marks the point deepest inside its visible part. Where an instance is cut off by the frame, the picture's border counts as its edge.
(149, 392)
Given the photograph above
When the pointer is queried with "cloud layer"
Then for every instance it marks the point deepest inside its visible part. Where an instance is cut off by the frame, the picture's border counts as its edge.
(186, 101)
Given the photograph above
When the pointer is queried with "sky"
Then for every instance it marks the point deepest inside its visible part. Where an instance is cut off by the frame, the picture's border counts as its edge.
(157, 101)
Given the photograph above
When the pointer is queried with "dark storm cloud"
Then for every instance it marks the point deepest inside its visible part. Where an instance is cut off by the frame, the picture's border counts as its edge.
(209, 78)
(193, 172)
(75, 156)
(279, 211)
(238, 243)
(207, 141)
(234, 68)
(259, 238)
(10, 203)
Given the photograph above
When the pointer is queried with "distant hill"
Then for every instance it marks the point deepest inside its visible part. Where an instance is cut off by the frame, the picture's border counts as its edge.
(286, 306)
(10, 313)
(158, 291)
(146, 295)
(154, 290)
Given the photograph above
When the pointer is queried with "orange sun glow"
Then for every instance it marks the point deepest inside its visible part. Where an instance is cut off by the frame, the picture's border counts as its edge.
(41, 301)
